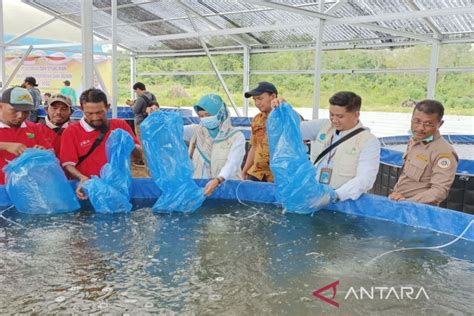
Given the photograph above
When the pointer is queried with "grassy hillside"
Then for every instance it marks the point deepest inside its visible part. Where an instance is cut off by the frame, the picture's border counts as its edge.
(380, 92)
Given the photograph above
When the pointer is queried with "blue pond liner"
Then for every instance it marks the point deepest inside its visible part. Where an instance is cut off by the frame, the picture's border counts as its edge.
(413, 214)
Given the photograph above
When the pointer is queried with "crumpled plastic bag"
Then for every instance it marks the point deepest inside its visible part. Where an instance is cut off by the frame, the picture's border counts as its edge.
(104, 197)
(169, 163)
(36, 184)
(111, 192)
(117, 171)
(295, 176)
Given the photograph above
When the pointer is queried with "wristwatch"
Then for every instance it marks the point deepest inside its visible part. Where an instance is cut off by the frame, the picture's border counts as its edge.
(220, 180)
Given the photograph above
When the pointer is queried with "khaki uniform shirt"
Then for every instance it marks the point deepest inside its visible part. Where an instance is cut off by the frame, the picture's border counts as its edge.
(428, 171)
(261, 163)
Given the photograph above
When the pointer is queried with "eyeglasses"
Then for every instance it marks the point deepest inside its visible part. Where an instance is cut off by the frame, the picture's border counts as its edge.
(424, 124)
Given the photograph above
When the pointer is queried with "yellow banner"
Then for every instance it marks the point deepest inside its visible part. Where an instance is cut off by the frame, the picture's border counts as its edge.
(51, 71)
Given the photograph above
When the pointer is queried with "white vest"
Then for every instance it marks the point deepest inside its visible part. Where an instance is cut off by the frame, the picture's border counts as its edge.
(345, 160)
(219, 153)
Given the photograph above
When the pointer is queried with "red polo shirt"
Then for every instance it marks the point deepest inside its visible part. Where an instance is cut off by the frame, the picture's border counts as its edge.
(28, 134)
(54, 138)
(78, 138)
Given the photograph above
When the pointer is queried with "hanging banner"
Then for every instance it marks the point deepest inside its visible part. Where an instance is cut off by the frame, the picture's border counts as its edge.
(52, 70)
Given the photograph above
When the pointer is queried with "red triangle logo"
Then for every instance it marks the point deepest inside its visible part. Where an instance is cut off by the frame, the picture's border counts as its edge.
(332, 286)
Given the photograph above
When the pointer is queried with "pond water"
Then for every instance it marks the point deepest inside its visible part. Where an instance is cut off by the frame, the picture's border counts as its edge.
(226, 258)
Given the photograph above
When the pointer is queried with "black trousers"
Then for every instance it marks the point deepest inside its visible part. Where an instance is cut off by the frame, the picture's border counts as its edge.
(252, 178)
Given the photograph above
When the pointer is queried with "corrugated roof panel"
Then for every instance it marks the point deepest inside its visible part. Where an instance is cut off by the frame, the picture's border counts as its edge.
(302, 35)
(374, 7)
(165, 9)
(168, 17)
(60, 6)
(212, 7)
(440, 4)
(263, 18)
(449, 24)
(455, 24)
(416, 26)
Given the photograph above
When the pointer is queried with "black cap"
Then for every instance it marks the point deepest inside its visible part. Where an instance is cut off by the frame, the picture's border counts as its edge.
(261, 88)
(31, 81)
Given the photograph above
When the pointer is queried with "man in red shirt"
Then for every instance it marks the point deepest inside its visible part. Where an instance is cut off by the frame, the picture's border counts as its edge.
(82, 153)
(58, 113)
(16, 133)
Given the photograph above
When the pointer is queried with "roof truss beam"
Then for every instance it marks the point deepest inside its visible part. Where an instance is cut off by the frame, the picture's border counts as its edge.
(127, 5)
(73, 23)
(402, 15)
(207, 15)
(359, 20)
(32, 30)
(228, 31)
(263, 28)
(335, 6)
(428, 21)
(239, 39)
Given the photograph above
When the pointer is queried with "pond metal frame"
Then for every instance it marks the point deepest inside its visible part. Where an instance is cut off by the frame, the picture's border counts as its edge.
(321, 16)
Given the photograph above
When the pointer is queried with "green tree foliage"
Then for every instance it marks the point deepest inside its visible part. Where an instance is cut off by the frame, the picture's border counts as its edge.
(380, 91)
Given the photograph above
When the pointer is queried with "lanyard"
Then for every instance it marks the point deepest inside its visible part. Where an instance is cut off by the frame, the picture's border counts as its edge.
(332, 152)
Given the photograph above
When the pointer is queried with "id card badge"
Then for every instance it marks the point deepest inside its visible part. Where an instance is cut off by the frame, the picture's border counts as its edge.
(325, 175)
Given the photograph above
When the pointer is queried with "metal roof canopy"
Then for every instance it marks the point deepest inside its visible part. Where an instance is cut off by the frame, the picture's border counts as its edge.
(164, 26)
(198, 27)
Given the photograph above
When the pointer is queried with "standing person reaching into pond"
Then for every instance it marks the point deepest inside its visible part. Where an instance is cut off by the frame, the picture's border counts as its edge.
(216, 148)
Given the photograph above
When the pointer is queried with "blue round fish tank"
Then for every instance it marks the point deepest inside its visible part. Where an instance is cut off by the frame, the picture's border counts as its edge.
(239, 253)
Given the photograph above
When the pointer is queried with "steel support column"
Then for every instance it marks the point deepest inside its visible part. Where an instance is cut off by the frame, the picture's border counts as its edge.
(114, 92)
(246, 79)
(216, 70)
(431, 90)
(87, 45)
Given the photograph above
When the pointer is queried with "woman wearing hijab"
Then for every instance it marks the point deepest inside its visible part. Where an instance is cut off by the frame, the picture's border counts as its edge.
(216, 148)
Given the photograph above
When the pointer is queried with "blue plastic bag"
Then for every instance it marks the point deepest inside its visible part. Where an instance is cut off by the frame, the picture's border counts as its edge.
(117, 171)
(169, 163)
(295, 176)
(36, 184)
(105, 198)
(111, 192)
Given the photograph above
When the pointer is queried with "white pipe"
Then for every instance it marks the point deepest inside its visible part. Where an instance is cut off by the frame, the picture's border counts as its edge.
(20, 63)
(13, 40)
(3, 75)
(246, 79)
(310, 71)
(432, 76)
(133, 75)
(87, 45)
(114, 59)
(317, 64)
(216, 70)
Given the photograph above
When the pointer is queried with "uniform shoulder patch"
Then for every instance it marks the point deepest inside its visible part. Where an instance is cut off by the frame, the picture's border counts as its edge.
(444, 163)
